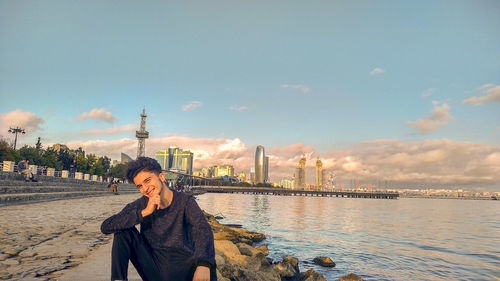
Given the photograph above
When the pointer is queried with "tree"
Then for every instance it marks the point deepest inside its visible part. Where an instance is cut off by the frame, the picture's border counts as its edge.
(7, 153)
(50, 159)
(118, 171)
(38, 145)
(32, 154)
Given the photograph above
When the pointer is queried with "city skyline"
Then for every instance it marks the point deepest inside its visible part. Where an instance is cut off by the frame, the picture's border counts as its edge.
(395, 91)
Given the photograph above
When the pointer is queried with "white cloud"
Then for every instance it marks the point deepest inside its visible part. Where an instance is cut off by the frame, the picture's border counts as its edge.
(377, 71)
(192, 105)
(302, 88)
(431, 163)
(438, 118)
(490, 93)
(429, 92)
(111, 131)
(238, 108)
(99, 115)
(17, 118)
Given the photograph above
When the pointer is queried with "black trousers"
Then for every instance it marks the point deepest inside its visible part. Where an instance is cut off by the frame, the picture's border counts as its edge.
(151, 264)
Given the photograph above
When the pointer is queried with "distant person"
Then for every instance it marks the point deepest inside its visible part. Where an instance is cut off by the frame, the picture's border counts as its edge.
(23, 169)
(175, 243)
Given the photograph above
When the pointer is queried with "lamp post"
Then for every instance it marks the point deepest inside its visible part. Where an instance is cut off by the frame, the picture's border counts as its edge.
(15, 131)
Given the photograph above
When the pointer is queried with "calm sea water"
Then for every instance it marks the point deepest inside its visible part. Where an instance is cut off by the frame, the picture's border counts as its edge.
(404, 239)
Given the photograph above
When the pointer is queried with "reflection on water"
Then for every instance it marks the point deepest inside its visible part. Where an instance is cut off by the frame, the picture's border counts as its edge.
(404, 239)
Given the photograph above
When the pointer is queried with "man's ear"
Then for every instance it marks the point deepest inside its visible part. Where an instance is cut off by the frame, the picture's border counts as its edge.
(162, 177)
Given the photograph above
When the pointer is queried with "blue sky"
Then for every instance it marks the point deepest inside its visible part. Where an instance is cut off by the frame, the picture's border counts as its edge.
(326, 74)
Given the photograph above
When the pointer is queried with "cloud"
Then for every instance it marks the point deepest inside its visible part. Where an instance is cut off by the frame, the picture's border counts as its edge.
(377, 71)
(302, 88)
(238, 108)
(17, 118)
(99, 115)
(491, 93)
(425, 164)
(111, 131)
(192, 105)
(429, 92)
(438, 118)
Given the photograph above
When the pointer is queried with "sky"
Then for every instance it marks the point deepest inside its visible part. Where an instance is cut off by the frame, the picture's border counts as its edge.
(401, 91)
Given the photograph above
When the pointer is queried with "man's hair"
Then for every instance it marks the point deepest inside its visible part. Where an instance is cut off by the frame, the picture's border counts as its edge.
(142, 164)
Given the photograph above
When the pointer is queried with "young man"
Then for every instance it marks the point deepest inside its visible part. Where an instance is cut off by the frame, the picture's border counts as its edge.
(23, 168)
(175, 243)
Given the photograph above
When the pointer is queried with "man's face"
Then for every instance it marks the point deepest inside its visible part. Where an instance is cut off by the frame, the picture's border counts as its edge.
(149, 183)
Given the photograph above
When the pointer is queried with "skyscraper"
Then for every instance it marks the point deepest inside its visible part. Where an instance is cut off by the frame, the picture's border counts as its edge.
(300, 174)
(176, 159)
(259, 164)
(266, 169)
(319, 174)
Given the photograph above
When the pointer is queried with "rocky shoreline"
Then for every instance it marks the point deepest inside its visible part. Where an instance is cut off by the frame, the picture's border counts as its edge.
(238, 260)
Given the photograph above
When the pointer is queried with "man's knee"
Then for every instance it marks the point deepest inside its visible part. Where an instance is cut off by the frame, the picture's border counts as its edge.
(127, 235)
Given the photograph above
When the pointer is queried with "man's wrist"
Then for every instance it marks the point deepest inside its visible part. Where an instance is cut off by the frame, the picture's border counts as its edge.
(145, 213)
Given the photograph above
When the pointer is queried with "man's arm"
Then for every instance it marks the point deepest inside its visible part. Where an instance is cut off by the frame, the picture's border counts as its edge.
(202, 234)
(126, 218)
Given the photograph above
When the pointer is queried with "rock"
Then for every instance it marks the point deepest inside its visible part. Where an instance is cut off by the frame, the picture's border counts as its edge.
(350, 277)
(220, 277)
(10, 262)
(263, 249)
(324, 261)
(229, 251)
(288, 268)
(3, 257)
(311, 275)
(247, 250)
(11, 252)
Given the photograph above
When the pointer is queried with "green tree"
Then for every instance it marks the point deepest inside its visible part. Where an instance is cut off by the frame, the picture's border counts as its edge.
(65, 159)
(81, 163)
(50, 159)
(7, 153)
(32, 154)
(118, 171)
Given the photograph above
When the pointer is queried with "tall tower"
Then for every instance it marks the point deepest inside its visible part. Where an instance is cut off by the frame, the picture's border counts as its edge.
(142, 135)
(259, 164)
(300, 174)
(319, 174)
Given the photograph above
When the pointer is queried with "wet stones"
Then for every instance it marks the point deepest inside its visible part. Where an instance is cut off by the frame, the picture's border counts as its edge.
(324, 261)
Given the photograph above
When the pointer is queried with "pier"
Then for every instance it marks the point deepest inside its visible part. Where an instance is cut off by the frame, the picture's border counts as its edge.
(295, 192)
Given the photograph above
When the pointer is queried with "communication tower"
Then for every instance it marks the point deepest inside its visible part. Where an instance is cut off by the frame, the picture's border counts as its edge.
(142, 135)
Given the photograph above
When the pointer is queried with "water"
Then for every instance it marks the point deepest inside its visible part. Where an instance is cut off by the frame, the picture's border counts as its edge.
(404, 239)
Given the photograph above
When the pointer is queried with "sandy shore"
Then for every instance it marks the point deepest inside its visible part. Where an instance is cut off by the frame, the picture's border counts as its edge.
(42, 241)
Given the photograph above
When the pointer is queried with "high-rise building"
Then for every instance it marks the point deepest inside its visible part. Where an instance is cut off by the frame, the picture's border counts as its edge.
(266, 169)
(300, 174)
(319, 174)
(259, 164)
(220, 171)
(176, 159)
(252, 174)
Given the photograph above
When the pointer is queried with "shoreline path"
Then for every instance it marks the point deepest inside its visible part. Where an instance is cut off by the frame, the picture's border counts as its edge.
(59, 240)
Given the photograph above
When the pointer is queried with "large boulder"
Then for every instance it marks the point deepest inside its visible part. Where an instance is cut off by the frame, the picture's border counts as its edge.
(324, 261)
(311, 275)
(350, 277)
(288, 269)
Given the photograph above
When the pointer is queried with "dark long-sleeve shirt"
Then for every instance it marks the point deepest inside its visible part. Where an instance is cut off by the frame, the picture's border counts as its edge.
(181, 225)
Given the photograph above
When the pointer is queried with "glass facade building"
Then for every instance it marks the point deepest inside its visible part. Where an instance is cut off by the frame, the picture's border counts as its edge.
(175, 159)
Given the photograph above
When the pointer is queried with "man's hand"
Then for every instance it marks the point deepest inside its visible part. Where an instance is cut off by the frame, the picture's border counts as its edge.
(202, 273)
(153, 204)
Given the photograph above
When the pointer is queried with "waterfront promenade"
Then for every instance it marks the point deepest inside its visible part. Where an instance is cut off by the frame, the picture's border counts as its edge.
(296, 192)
